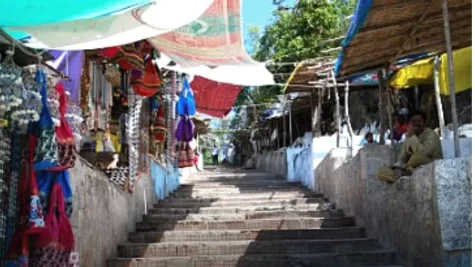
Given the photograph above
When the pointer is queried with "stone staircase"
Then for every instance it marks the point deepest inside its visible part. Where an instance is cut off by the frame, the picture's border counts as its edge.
(227, 219)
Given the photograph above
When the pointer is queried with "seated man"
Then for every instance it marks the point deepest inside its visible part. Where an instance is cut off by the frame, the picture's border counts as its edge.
(421, 147)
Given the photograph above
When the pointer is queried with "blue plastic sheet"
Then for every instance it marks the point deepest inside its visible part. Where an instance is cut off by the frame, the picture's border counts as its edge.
(359, 17)
(166, 180)
(28, 12)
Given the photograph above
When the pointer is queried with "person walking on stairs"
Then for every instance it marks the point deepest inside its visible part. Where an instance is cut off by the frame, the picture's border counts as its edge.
(215, 154)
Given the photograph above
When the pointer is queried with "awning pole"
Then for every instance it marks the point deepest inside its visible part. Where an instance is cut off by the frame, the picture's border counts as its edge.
(450, 67)
(347, 114)
(290, 122)
(438, 100)
(337, 109)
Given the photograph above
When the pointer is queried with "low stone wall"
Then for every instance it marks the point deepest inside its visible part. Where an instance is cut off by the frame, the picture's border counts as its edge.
(274, 162)
(426, 219)
(103, 215)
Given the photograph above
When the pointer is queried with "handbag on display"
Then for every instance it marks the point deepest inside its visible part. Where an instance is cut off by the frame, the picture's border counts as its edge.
(145, 82)
(186, 101)
(54, 245)
(46, 150)
(184, 130)
(126, 56)
(64, 135)
(186, 156)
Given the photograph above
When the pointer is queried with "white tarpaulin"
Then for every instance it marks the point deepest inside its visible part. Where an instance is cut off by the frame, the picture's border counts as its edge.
(121, 28)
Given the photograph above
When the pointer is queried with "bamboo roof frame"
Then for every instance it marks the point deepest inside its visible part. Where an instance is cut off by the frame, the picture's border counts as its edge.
(395, 29)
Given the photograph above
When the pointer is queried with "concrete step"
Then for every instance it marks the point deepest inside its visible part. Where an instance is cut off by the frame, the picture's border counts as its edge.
(241, 216)
(244, 196)
(291, 223)
(232, 210)
(206, 248)
(233, 203)
(358, 259)
(253, 234)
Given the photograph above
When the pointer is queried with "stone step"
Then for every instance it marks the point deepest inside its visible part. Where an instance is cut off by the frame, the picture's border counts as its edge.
(244, 196)
(380, 257)
(239, 183)
(243, 189)
(232, 203)
(293, 223)
(236, 209)
(206, 248)
(254, 234)
(241, 216)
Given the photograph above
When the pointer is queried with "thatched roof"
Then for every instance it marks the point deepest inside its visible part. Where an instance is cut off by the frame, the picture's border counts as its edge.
(394, 29)
(303, 76)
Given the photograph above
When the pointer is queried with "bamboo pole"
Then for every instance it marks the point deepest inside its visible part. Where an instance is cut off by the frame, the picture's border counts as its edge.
(290, 122)
(416, 96)
(450, 67)
(438, 100)
(382, 127)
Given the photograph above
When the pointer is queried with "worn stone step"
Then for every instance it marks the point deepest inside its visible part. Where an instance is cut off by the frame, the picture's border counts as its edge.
(291, 223)
(253, 234)
(244, 196)
(232, 210)
(207, 248)
(239, 183)
(381, 257)
(232, 203)
(241, 216)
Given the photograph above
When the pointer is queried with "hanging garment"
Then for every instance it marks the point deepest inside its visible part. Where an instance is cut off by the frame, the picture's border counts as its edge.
(64, 135)
(145, 82)
(184, 131)
(186, 101)
(53, 246)
(46, 151)
(30, 219)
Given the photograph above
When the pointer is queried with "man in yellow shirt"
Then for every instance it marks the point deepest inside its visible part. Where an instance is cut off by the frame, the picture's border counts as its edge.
(422, 146)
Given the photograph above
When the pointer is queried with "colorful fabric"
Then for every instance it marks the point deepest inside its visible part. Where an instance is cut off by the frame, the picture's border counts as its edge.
(422, 72)
(213, 98)
(212, 39)
(26, 12)
(46, 180)
(186, 101)
(184, 131)
(70, 63)
(145, 82)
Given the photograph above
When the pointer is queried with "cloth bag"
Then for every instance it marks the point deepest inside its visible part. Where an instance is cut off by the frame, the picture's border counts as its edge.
(145, 82)
(127, 57)
(54, 246)
(186, 101)
(186, 157)
(64, 135)
(184, 131)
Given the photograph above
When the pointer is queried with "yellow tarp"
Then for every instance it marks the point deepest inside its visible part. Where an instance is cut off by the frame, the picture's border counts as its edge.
(422, 72)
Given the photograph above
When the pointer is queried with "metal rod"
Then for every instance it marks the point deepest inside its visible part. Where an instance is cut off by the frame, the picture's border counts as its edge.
(438, 100)
(450, 68)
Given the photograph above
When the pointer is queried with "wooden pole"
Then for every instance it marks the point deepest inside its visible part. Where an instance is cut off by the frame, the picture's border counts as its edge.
(285, 128)
(312, 112)
(347, 113)
(290, 123)
(438, 100)
(382, 124)
(450, 67)
(337, 116)
(416, 96)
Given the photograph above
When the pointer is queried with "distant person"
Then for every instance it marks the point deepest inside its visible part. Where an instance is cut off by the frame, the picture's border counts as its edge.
(215, 154)
(369, 138)
(196, 160)
(421, 147)
(399, 127)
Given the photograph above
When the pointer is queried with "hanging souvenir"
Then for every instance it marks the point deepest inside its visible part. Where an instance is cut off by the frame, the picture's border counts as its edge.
(145, 82)
(54, 245)
(159, 128)
(126, 56)
(46, 180)
(186, 101)
(46, 152)
(184, 130)
(31, 218)
(64, 135)
(185, 155)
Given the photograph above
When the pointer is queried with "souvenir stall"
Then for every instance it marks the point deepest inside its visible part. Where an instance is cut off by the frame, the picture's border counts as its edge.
(38, 132)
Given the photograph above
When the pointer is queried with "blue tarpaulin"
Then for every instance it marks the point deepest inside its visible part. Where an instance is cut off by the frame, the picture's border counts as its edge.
(28, 12)
(359, 17)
